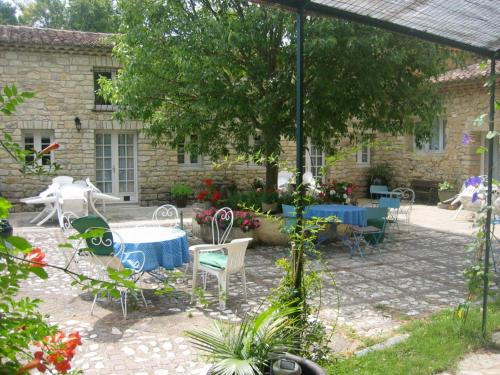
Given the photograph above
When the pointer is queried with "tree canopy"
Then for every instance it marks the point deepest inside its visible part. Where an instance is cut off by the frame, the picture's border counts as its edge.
(84, 15)
(7, 14)
(224, 69)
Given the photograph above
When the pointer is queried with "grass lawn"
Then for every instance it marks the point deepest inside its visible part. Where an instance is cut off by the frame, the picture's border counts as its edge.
(435, 344)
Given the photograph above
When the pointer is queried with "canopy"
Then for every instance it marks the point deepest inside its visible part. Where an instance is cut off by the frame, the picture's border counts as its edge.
(471, 25)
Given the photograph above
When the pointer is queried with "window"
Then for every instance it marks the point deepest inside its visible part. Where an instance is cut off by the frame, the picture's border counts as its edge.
(437, 140)
(37, 141)
(100, 103)
(363, 155)
(315, 159)
(184, 156)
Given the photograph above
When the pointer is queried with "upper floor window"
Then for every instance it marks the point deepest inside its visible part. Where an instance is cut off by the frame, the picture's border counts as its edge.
(37, 141)
(437, 140)
(100, 103)
(363, 155)
(184, 156)
(315, 160)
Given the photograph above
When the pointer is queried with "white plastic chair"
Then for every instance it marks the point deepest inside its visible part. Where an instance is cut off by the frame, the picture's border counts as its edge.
(72, 198)
(167, 212)
(221, 261)
(62, 180)
(284, 178)
(48, 198)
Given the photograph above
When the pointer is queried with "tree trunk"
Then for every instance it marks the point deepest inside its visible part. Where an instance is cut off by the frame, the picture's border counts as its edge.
(271, 175)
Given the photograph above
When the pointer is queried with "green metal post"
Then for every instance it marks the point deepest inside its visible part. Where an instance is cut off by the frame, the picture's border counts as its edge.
(299, 135)
(487, 225)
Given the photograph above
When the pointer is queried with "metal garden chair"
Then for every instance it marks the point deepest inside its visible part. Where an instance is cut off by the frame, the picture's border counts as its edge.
(167, 212)
(371, 235)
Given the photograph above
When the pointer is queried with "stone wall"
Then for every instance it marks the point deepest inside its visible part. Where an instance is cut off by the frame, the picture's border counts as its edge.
(64, 86)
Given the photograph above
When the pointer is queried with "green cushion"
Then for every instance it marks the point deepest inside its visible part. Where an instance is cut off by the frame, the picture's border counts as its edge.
(214, 260)
(374, 239)
(82, 224)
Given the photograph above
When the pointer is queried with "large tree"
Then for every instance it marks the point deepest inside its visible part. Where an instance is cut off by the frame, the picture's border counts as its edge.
(224, 69)
(84, 15)
(7, 14)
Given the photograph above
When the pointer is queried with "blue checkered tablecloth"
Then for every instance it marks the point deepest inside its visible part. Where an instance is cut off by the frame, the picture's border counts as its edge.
(162, 247)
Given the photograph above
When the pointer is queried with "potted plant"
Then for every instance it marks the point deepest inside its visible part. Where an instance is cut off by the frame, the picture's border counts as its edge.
(210, 195)
(446, 191)
(247, 348)
(180, 193)
(270, 199)
(379, 174)
(244, 224)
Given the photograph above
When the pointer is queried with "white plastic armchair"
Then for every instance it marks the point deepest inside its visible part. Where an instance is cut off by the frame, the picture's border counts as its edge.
(221, 261)
(49, 199)
(166, 212)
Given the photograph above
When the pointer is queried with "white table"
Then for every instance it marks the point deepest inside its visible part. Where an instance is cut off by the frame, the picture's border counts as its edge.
(59, 199)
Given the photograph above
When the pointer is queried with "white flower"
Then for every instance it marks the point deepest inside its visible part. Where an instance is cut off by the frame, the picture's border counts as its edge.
(345, 196)
(332, 192)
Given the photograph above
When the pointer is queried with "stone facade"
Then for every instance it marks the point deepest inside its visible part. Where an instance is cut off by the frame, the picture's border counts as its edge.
(62, 76)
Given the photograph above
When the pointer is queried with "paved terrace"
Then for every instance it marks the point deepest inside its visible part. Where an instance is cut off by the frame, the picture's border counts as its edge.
(420, 272)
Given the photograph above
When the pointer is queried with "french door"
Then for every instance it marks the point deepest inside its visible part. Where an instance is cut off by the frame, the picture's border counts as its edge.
(116, 164)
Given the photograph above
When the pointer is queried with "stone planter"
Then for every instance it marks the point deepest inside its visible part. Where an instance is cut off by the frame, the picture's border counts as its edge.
(269, 232)
(205, 233)
(444, 195)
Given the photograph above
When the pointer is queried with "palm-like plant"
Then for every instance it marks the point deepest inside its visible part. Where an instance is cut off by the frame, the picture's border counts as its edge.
(245, 349)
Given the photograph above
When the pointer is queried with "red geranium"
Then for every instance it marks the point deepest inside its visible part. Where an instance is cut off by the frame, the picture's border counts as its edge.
(216, 195)
(37, 257)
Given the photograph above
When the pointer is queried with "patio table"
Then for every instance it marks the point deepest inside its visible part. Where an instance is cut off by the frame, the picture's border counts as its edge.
(162, 247)
(353, 215)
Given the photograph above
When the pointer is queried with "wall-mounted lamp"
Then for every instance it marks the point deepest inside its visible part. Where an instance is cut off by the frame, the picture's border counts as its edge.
(78, 124)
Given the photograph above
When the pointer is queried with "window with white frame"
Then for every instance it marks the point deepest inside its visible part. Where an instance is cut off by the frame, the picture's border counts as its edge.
(184, 157)
(100, 103)
(37, 140)
(314, 160)
(437, 140)
(363, 155)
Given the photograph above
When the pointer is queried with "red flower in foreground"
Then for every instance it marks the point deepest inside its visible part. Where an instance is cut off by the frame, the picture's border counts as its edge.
(37, 257)
(50, 148)
(57, 350)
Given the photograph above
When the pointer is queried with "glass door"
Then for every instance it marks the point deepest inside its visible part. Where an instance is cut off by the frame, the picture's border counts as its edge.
(116, 164)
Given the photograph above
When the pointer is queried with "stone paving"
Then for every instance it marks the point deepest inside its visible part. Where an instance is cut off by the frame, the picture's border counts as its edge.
(420, 272)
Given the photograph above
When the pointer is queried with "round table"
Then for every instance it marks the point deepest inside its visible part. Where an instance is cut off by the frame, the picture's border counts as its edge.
(162, 247)
(353, 215)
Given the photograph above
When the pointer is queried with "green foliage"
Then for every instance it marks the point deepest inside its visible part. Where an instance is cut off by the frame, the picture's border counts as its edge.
(84, 15)
(7, 14)
(244, 349)
(225, 70)
(10, 98)
(180, 190)
(445, 185)
(435, 345)
(251, 200)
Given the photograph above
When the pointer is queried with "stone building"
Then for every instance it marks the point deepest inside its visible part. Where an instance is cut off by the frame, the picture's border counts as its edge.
(62, 68)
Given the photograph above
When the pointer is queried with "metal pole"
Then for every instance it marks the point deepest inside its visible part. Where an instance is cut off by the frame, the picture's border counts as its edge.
(487, 225)
(182, 219)
(299, 135)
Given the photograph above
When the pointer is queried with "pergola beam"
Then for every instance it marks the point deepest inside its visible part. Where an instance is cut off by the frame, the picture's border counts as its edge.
(324, 10)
